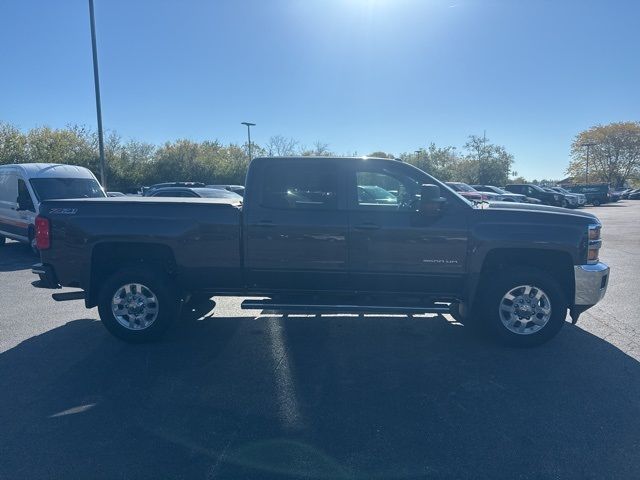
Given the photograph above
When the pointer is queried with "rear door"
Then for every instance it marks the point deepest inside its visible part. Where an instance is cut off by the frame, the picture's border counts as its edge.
(296, 227)
(395, 248)
(11, 222)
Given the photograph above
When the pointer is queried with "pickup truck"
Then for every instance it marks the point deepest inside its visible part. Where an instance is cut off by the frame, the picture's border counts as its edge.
(306, 238)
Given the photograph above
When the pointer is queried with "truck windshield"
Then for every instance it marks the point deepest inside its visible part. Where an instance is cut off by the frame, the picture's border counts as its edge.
(56, 188)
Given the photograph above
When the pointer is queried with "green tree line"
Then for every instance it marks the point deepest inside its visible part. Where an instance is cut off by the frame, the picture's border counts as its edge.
(132, 163)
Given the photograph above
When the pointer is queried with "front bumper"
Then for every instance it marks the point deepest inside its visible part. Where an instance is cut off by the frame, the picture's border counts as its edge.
(591, 283)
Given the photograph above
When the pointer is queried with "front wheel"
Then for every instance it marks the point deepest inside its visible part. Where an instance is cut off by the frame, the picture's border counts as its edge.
(596, 203)
(523, 308)
(138, 305)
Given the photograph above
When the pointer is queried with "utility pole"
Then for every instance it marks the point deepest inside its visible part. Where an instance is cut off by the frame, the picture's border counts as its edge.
(249, 125)
(96, 80)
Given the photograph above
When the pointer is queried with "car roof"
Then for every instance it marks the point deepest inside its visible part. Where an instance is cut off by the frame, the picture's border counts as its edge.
(49, 170)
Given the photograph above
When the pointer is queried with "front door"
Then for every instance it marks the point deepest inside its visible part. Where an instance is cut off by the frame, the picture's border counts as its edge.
(296, 227)
(395, 248)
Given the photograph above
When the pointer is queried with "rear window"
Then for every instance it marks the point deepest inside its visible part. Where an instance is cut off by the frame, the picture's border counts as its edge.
(57, 188)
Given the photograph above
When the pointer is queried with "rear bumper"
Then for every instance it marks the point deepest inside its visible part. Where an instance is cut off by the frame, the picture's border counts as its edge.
(591, 283)
(47, 275)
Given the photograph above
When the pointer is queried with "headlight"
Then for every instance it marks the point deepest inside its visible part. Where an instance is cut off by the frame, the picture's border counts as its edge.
(595, 243)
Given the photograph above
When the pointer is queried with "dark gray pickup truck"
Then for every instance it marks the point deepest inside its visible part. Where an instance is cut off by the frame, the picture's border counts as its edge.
(321, 235)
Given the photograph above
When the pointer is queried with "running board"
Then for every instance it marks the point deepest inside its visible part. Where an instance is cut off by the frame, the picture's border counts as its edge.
(66, 296)
(324, 308)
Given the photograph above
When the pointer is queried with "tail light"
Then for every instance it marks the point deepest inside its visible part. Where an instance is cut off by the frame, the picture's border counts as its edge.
(43, 233)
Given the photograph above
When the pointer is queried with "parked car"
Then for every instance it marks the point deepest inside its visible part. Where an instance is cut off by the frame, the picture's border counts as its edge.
(534, 191)
(513, 268)
(596, 193)
(581, 198)
(148, 190)
(570, 199)
(239, 189)
(624, 194)
(506, 196)
(634, 194)
(24, 186)
(115, 194)
(186, 192)
(470, 193)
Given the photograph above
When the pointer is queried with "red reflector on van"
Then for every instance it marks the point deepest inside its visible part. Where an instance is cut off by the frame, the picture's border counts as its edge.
(43, 233)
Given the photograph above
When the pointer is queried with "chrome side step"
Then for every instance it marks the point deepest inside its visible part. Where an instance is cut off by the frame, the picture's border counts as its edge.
(326, 308)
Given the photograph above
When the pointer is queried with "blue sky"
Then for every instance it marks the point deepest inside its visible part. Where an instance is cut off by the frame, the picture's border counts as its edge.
(361, 75)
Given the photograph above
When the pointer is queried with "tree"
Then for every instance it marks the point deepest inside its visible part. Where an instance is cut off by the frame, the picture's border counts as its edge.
(320, 149)
(614, 158)
(485, 163)
(281, 146)
(437, 161)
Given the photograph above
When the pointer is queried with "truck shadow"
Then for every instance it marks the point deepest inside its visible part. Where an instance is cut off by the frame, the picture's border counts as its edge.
(16, 256)
(307, 397)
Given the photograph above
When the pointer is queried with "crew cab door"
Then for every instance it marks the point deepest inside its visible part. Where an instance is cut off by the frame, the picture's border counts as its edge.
(395, 248)
(296, 226)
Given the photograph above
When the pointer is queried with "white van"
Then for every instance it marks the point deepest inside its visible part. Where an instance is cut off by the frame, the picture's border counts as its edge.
(23, 186)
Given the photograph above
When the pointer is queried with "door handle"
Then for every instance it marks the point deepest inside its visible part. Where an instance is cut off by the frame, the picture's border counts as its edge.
(265, 223)
(367, 226)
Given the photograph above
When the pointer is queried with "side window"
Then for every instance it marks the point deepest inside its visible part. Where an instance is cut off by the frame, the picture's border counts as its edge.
(383, 190)
(300, 187)
(24, 197)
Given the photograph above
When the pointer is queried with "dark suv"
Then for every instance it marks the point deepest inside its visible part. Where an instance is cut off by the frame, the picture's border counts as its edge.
(596, 193)
(534, 191)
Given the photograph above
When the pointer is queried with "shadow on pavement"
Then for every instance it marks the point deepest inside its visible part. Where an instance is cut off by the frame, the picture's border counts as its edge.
(307, 397)
(16, 256)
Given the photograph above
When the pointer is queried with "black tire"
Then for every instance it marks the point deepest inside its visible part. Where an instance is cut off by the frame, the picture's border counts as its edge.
(160, 287)
(596, 203)
(564, 203)
(504, 282)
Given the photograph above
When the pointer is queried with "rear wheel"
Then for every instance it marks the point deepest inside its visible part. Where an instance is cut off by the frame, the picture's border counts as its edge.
(138, 305)
(523, 307)
(564, 204)
(596, 203)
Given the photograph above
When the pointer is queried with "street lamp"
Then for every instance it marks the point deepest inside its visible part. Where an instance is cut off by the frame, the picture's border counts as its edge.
(586, 170)
(96, 81)
(249, 125)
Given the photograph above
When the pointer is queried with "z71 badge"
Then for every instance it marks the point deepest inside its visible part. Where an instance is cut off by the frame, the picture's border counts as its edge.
(63, 211)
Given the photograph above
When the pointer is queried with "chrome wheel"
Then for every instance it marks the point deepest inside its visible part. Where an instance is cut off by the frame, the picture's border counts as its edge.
(135, 306)
(525, 309)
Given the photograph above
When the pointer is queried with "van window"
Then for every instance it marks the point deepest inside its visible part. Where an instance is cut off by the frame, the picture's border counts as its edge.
(54, 188)
(383, 190)
(24, 197)
(300, 186)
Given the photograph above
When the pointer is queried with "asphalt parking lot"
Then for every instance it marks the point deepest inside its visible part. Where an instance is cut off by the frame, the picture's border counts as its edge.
(235, 395)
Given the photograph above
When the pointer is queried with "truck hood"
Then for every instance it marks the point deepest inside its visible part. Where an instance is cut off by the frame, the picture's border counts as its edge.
(536, 208)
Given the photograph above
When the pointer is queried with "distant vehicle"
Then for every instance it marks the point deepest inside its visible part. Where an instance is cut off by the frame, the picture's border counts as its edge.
(194, 193)
(634, 194)
(24, 186)
(373, 194)
(115, 194)
(534, 191)
(239, 189)
(507, 196)
(596, 193)
(146, 191)
(471, 193)
(582, 199)
(571, 199)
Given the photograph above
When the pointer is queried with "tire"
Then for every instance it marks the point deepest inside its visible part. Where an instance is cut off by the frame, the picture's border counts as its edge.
(564, 203)
(596, 203)
(153, 304)
(544, 293)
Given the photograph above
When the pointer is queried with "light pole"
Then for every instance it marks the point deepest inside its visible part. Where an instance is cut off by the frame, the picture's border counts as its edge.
(586, 170)
(96, 81)
(249, 125)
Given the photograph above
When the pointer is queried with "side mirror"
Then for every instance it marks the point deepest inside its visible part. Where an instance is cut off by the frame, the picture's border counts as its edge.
(431, 202)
